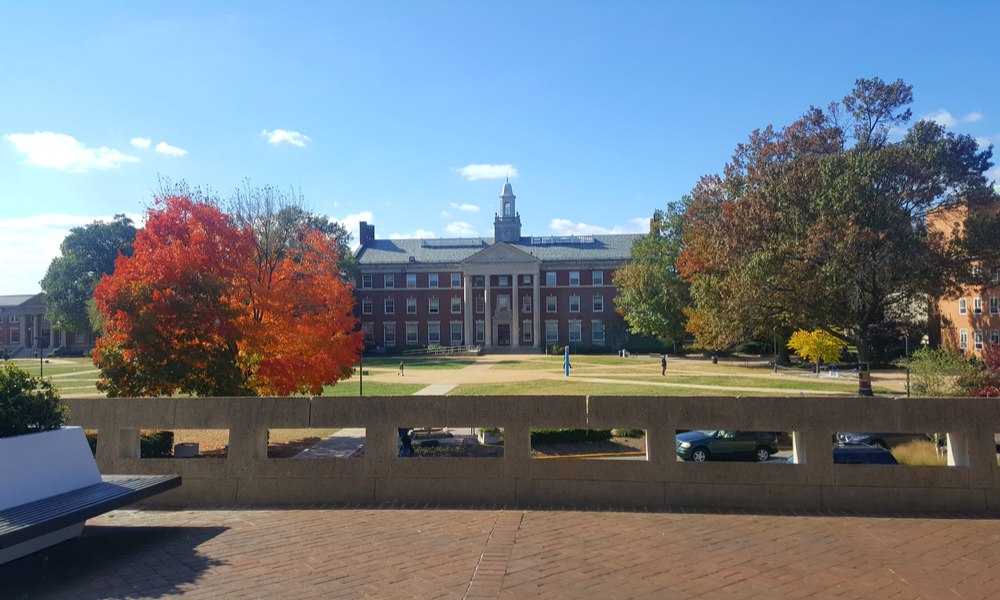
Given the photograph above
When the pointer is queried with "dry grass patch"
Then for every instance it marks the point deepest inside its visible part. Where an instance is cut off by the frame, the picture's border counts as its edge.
(919, 452)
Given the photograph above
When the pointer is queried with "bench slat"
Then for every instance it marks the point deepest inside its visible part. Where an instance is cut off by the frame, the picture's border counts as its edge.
(28, 521)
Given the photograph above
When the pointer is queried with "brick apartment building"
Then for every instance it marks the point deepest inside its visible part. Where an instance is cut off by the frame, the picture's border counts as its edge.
(24, 329)
(972, 319)
(509, 291)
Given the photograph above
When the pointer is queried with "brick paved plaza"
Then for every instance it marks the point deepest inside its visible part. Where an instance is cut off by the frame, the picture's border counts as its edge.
(519, 552)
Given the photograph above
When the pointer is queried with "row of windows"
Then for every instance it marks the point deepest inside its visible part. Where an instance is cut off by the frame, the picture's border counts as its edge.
(15, 337)
(433, 280)
(411, 333)
(503, 303)
(963, 338)
(977, 306)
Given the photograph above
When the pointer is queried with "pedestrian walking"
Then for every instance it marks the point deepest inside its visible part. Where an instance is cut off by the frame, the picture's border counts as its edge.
(663, 365)
(400, 368)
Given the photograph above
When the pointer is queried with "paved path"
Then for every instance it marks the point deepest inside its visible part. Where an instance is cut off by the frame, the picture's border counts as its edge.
(342, 444)
(519, 552)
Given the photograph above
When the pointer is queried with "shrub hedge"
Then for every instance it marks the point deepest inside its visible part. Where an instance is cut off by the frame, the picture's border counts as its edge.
(28, 404)
(564, 436)
(152, 444)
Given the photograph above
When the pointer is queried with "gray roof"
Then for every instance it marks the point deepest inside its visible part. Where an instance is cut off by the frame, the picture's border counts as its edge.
(15, 300)
(444, 250)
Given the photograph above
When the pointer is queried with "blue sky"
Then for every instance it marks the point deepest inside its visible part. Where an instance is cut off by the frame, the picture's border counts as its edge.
(603, 111)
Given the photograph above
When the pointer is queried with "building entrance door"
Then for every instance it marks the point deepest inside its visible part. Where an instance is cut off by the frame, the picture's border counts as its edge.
(503, 335)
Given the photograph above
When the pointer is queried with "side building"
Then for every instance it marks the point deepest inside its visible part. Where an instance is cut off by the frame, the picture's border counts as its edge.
(509, 291)
(24, 329)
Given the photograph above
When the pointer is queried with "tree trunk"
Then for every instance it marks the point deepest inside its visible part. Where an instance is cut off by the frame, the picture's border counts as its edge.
(679, 346)
(864, 375)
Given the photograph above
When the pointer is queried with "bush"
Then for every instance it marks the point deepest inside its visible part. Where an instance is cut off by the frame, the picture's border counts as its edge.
(28, 404)
(565, 436)
(939, 372)
(629, 433)
(152, 444)
(754, 347)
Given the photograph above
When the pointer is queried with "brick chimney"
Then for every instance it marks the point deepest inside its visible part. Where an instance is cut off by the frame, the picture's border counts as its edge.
(367, 233)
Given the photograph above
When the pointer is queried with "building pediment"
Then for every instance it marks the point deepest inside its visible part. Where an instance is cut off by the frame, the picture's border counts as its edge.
(500, 253)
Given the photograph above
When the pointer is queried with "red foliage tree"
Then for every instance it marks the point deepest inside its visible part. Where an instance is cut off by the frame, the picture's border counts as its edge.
(193, 312)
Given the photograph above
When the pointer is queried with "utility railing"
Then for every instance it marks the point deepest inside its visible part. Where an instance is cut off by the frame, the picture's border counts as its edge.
(444, 351)
(973, 483)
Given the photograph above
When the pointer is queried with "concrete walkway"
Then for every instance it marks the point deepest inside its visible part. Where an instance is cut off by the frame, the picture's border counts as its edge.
(342, 444)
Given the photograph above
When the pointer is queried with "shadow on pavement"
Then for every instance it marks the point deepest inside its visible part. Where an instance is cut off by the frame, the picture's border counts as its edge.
(112, 562)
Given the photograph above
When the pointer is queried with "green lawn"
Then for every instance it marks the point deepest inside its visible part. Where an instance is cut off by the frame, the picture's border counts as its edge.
(351, 387)
(72, 379)
(435, 362)
(750, 382)
(582, 388)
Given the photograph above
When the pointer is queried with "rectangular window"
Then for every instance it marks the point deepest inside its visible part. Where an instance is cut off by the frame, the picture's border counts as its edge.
(551, 333)
(15, 336)
(456, 306)
(994, 306)
(432, 280)
(411, 280)
(434, 334)
(390, 306)
(411, 333)
(550, 304)
(963, 339)
(480, 332)
(480, 281)
(962, 306)
(574, 278)
(503, 302)
(995, 337)
(456, 280)
(526, 328)
(389, 281)
(598, 329)
(502, 280)
(366, 282)
(432, 306)
(369, 330)
(366, 306)
(979, 339)
(390, 334)
(411, 306)
(977, 306)
(480, 305)
(575, 332)
(526, 304)
(598, 277)
(598, 303)
(456, 334)
(15, 318)
(550, 278)
(574, 304)
(81, 338)
(526, 280)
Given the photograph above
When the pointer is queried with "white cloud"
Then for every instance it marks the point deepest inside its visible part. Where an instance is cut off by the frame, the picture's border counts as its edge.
(141, 142)
(416, 235)
(983, 142)
(943, 117)
(168, 149)
(352, 222)
(466, 207)
(567, 227)
(60, 151)
(280, 135)
(445, 214)
(35, 242)
(972, 117)
(474, 172)
(461, 229)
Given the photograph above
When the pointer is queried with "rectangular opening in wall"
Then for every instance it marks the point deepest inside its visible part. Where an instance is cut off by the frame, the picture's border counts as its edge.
(449, 442)
(717, 445)
(179, 443)
(316, 443)
(594, 444)
(881, 448)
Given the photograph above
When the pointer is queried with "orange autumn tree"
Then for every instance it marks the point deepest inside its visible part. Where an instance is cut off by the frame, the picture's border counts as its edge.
(204, 307)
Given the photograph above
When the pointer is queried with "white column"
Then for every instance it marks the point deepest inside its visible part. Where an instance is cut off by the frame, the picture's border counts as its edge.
(536, 311)
(23, 320)
(52, 337)
(469, 334)
(489, 324)
(515, 326)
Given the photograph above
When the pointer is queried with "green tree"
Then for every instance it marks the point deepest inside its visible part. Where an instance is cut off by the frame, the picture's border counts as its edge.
(652, 295)
(28, 404)
(86, 254)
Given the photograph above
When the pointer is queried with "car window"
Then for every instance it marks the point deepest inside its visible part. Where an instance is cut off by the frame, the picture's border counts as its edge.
(727, 434)
(706, 432)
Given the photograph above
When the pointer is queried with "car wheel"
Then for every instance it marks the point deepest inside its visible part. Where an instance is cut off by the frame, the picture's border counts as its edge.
(699, 455)
(878, 444)
(762, 454)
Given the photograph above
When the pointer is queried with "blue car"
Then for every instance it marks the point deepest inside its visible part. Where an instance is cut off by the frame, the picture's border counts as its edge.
(879, 440)
(702, 445)
(860, 454)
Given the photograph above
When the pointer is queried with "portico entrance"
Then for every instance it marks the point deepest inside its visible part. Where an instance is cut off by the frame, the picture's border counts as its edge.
(503, 334)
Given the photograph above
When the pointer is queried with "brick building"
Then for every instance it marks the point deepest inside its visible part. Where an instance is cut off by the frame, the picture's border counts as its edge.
(24, 329)
(971, 319)
(507, 291)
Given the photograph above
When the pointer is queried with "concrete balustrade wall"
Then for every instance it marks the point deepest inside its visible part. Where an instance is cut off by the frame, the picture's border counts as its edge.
(248, 476)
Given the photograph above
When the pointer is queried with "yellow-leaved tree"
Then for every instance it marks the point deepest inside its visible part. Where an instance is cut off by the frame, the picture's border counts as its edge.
(815, 346)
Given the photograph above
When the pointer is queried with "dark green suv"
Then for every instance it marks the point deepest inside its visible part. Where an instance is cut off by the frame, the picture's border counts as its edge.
(702, 445)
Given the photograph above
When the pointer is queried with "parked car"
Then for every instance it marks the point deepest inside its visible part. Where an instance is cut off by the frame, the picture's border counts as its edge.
(702, 445)
(879, 440)
(860, 454)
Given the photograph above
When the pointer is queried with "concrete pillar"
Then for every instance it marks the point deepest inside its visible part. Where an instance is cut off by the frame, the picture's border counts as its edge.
(798, 448)
(23, 321)
(536, 310)
(128, 443)
(489, 324)
(515, 326)
(958, 450)
(468, 334)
